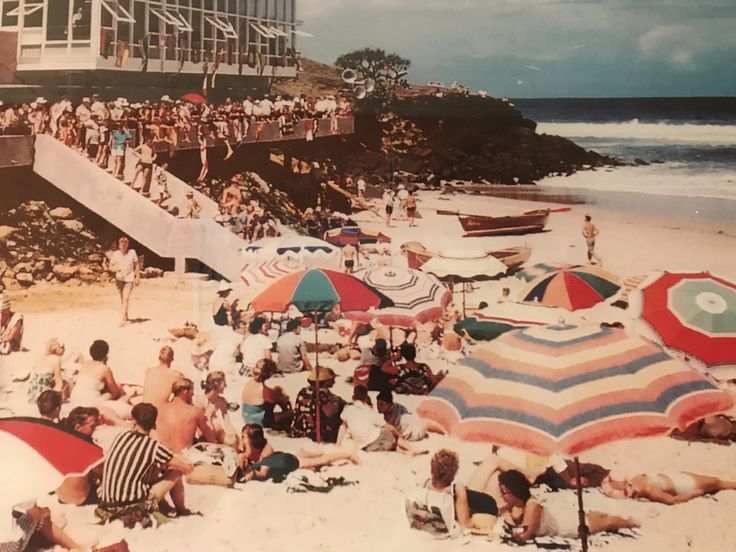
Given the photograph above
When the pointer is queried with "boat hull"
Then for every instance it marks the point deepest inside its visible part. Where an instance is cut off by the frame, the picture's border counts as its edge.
(527, 223)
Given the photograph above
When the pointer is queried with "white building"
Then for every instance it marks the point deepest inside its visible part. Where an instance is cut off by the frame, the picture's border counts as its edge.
(171, 45)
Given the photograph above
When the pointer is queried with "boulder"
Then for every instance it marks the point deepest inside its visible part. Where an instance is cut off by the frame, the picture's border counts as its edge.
(86, 274)
(6, 231)
(73, 225)
(24, 279)
(65, 272)
(61, 213)
(23, 267)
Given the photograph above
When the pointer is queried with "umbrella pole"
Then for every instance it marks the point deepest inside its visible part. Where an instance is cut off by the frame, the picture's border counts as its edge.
(318, 407)
(582, 526)
(463, 299)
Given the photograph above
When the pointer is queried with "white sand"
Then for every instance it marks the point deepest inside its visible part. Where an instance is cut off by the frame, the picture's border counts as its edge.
(370, 513)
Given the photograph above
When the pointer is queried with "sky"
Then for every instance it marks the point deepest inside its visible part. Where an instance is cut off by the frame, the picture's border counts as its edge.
(540, 48)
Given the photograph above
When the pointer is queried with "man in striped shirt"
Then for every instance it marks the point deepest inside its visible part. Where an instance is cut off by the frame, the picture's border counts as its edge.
(132, 459)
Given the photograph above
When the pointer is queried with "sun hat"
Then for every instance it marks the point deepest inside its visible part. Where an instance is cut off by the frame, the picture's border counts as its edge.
(325, 374)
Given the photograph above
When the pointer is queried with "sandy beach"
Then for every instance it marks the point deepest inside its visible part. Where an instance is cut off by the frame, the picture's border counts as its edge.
(369, 513)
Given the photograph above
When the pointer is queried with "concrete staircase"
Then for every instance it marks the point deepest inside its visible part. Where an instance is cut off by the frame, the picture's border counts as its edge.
(138, 217)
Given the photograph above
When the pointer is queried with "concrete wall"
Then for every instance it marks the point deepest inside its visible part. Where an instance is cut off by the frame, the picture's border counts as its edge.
(16, 151)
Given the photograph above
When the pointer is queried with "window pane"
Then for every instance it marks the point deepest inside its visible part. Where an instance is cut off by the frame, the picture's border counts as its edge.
(81, 20)
(9, 20)
(57, 25)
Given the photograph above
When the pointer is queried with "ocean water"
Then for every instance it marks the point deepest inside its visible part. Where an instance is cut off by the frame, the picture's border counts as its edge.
(690, 144)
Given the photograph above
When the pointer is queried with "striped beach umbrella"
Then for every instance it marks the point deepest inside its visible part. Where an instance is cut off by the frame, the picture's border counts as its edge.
(256, 274)
(417, 297)
(694, 313)
(565, 389)
(498, 319)
(572, 287)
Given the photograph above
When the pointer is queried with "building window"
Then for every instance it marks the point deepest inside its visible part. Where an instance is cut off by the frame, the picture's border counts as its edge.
(81, 20)
(57, 23)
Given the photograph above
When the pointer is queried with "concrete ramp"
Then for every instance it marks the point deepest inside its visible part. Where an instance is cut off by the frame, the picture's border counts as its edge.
(137, 216)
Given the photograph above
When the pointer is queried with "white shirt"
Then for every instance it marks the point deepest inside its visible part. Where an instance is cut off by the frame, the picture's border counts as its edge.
(124, 265)
(254, 348)
(248, 107)
(361, 184)
(364, 423)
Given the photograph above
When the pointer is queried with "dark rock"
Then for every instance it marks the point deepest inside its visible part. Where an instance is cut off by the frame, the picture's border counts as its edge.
(24, 279)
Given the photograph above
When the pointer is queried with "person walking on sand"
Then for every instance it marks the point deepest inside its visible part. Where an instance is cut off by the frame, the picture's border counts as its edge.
(348, 258)
(124, 262)
(411, 208)
(389, 198)
(590, 231)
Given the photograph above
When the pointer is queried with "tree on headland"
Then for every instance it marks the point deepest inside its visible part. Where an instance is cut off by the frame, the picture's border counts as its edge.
(387, 69)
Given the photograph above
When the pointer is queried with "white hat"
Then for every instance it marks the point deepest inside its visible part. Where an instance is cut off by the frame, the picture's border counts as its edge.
(85, 99)
(224, 286)
(41, 100)
(165, 98)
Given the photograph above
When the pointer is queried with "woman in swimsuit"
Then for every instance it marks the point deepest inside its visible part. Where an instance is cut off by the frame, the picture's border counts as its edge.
(259, 400)
(216, 408)
(669, 487)
(258, 460)
(529, 519)
(47, 373)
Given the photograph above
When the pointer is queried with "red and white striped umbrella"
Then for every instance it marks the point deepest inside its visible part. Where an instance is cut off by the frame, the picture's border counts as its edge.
(256, 274)
(418, 297)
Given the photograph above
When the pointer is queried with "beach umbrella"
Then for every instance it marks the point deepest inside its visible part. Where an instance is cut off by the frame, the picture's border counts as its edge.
(528, 273)
(256, 274)
(572, 287)
(565, 389)
(315, 291)
(36, 457)
(354, 235)
(693, 313)
(468, 267)
(498, 319)
(417, 297)
(194, 98)
(308, 251)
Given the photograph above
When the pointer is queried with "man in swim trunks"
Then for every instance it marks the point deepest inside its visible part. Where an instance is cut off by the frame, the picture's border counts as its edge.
(348, 258)
(147, 156)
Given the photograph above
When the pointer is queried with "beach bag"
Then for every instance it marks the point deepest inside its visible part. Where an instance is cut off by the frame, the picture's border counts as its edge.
(208, 474)
(423, 518)
(413, 384)
(213, 465)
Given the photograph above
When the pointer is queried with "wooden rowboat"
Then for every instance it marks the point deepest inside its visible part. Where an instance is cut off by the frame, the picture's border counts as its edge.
(526, 223)
(513, 257)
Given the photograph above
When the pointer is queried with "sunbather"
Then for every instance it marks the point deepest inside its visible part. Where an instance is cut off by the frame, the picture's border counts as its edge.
(667, 487)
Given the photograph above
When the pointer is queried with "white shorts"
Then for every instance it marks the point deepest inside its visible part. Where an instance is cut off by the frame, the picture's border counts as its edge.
(118, 152)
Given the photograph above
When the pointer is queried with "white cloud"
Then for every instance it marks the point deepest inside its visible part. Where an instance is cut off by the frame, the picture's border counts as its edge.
(681, 45)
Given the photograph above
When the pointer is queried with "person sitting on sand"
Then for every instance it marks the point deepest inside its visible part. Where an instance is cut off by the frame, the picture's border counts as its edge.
(304, 423)
(259, 400)
(259, 461)
(126, 476)
(528, 519)
(222, 308)
(410, 426)
(460, 507)
(367, 427)
(49, 405)
(159, 379)
(256, 345)
(383, 370)
(46, 373)
(291, 350)
(96, 385)
(216, 408)
(414, 378)
(11, 327)
(81, 490)
(666, 487)
(179, 420)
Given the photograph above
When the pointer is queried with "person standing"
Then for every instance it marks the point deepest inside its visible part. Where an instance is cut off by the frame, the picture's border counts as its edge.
(361, 187)
(411, 208)
(120, 138)
(389, 199)
(349, 254)
(590, 231)
(124, 262)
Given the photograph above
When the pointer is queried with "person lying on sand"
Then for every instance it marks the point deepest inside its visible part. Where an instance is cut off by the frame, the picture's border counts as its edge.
(719, 428)
(39, 531)
(411, 426)
(668, 487)
(259, 461)
(460, 507)
(527, 518)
